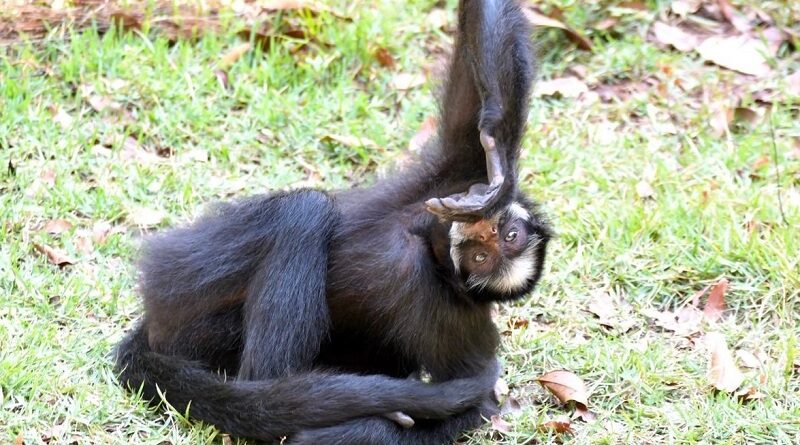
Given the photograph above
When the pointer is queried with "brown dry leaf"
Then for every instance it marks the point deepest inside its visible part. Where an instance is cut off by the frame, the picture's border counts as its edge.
(566, 386)
(748, 359)
(425, 132)
(583, 413)
(569, 86)
(720, 118)
(723, 373)
(538, 19)
(132, 151)
(749, 394)
(144, 217)
(733, 16)
(20, 439)
(685, 7)
(55, 256)
(685, 322)
(100, 231)
(510, 406)
(83, 244)
(645, 190)
(744, 54)
(498, 424)
(559, 425)
(233, 55)
(407, 81)
(57, 226)
(716, 301)
(384, 57)
(675, 37)
(61, 117)
(351, 141)
(793, 87)
(606, 24)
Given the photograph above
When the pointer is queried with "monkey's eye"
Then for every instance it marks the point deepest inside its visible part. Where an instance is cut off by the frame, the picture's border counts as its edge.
(512, 235)
(480, 257)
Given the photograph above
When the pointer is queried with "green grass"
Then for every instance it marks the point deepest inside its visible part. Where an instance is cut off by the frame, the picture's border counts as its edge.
(712, 215)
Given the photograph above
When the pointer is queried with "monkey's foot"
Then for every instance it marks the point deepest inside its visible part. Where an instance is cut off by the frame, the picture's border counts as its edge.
(466, 206)
(400, 418)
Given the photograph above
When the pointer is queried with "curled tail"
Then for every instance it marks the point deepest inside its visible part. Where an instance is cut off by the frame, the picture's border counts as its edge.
(268, 409)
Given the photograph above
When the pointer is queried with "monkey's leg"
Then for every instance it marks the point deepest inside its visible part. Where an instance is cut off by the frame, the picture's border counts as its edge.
(286, 314)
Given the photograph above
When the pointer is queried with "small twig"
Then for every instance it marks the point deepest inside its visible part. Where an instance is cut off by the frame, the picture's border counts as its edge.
(777, 168)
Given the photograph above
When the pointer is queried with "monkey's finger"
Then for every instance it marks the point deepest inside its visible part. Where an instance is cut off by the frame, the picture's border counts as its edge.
(400, 418)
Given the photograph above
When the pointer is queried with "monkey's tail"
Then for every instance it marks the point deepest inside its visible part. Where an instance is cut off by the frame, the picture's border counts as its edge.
(268, 409)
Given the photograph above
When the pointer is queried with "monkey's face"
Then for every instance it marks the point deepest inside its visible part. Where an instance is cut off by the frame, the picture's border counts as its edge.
(500, 258)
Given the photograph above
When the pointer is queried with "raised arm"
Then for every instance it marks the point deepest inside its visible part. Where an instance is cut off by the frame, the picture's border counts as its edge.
(485, 108)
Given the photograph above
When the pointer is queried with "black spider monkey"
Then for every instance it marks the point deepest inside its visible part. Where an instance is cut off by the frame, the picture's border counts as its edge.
(322, 304)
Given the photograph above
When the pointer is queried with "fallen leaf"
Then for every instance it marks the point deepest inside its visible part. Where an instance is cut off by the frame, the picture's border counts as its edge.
(351, 141)
(498, 424)
(132, 151)
(583, 413)
(602, 305)
(61, 117)
(685, 7)
(425, 132)
(559, 425)
(761, 162)
(48, 177)
(744, 54)
(645, 190)
(793, 87)
(748, 359)
(606, 24)
(407, 81)
(749, 394)
(20, 439)
(83, 244)
(56, 226)
(233, 55)
(674, 36)
(685, 322)
(510, 406)
(566, 386)
(733, 16)
(716, 301)
(100, 231)
(55, 256)
(563, 86)
(538, 19)
(222, 78)
(722, 371)
(144, 217)
(384, 57)
(720, 118)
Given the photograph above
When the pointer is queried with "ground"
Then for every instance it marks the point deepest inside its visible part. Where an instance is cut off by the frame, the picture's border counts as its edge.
(664, 176)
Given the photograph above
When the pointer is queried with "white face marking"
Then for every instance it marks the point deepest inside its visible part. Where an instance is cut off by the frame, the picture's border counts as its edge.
(456, 237)
(517, 211)
(518, 272)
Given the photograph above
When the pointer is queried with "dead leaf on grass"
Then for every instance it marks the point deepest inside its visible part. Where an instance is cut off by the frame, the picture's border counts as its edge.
(510, 406)
(569, 86)
(233, 55)
(568, 387)
(723, 374)
(743, 53)
(83, 243)
(559, 425)
(498, 424)
(57, 226)
(715, 305)
(734, 17)
(351, 141)
(407, 81)
(644, 189)
(748, 359)
(55, 256)
(748, 394)
(685, 7)
(144, 217)
(538, 19)
(675, 37)
(685, 322)
(384, 57)
(605, 308)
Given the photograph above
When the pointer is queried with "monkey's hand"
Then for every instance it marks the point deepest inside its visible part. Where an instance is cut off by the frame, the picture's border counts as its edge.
(400, 418)
(472, 204)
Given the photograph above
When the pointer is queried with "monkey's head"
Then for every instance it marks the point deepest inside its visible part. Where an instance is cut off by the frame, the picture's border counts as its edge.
(500, 258)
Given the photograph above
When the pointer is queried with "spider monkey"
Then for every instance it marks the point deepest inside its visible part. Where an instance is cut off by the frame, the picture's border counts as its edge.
(303, 313)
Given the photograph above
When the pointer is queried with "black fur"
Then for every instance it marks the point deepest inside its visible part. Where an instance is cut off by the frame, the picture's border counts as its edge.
(319, 306)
